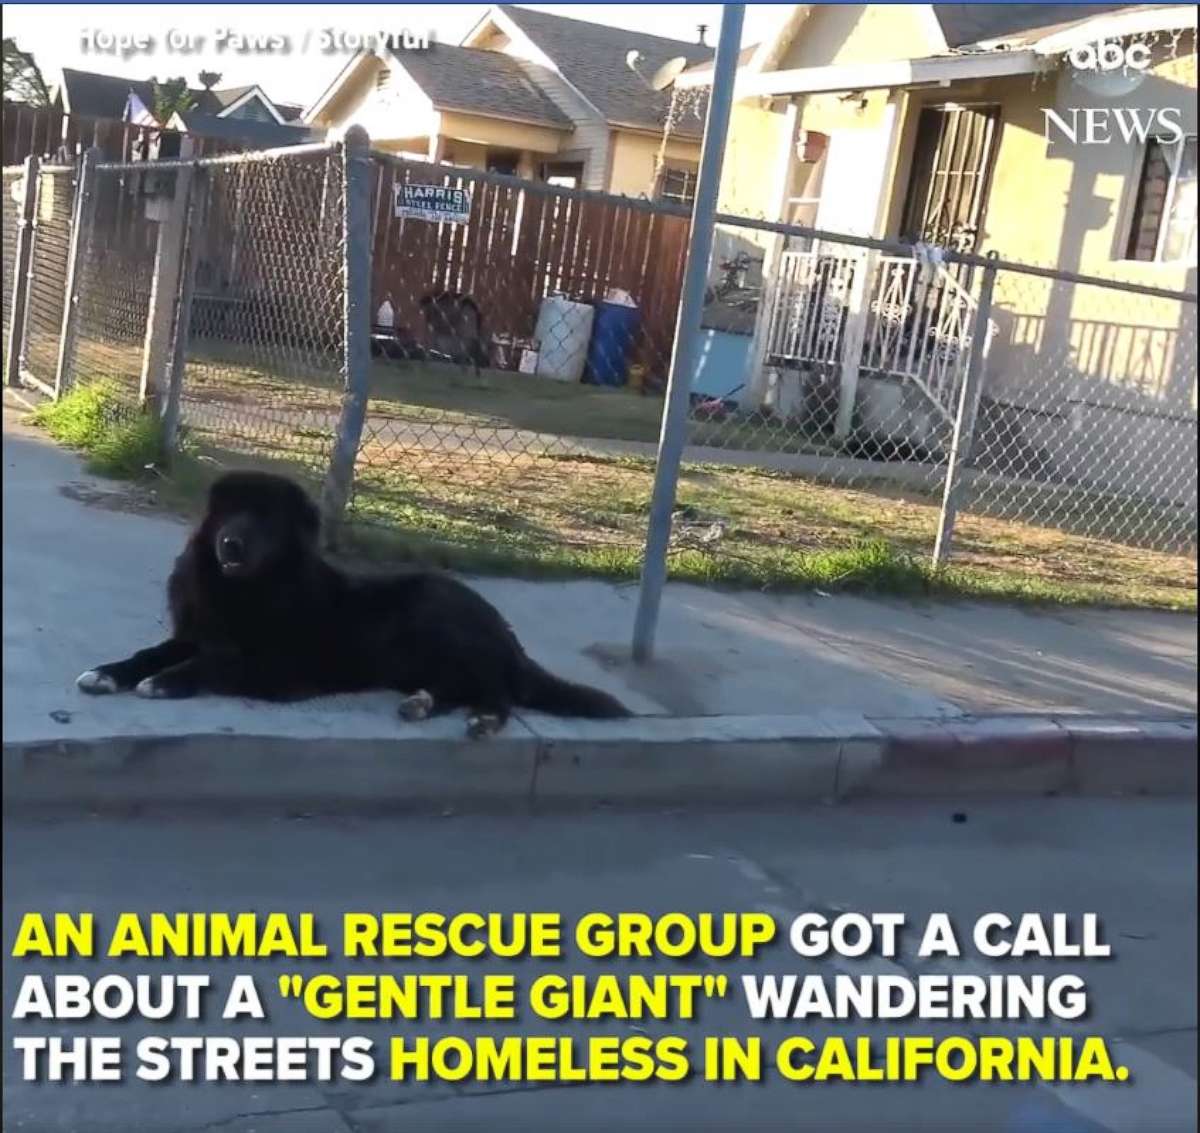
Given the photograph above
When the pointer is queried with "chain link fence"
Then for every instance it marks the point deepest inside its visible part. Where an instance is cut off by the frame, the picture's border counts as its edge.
(1087, 422)
(479, 362)
(115, 270)
(836, 368)
(48, 272)
(263, 354)
(10, 220)
(518, 362)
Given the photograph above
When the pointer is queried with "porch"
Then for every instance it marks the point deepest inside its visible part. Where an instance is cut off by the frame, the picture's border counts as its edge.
(850, 340)
(475, 142)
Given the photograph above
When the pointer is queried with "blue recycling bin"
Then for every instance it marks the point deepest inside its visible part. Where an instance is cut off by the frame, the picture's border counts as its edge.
(613, 331)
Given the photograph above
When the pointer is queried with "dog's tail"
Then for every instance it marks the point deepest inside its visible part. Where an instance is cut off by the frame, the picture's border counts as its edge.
(545, 692)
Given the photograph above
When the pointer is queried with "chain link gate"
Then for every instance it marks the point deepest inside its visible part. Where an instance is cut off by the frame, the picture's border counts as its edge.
(54, 209)
(11, 218)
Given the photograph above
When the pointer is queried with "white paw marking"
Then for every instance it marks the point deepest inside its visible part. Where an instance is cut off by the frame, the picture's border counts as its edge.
(150, 688)
(481, 725)
(418, 706)
(95, 681)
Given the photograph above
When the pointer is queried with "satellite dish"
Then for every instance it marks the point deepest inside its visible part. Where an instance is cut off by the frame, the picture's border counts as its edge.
(668, 72)
(632, 58)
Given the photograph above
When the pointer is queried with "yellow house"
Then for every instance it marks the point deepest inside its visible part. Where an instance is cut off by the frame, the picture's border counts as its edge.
(993, 128)
(536, 95)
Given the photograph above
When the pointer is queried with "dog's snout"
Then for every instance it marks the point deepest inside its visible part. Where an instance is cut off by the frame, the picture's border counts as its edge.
(233, 548)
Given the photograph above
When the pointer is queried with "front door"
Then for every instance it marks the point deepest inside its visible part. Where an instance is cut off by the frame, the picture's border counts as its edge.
(947, 189)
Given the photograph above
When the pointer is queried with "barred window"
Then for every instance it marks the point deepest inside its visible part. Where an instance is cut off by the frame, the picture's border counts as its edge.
(1164, 215)
(678, 185)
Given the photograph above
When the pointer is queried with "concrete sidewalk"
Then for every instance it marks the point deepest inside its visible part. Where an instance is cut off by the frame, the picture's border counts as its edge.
(86, 560)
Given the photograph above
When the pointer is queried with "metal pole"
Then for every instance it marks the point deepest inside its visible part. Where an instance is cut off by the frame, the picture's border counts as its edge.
(356, 329)
(687, 333)
(22, 271)
(964, 421)
(194, 230)
(81, 238)
(164, 292)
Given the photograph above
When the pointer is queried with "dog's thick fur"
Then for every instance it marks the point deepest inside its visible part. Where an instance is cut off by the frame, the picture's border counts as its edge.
(257, 611)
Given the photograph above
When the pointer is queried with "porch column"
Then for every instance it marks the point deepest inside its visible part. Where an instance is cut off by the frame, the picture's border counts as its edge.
(756, 380)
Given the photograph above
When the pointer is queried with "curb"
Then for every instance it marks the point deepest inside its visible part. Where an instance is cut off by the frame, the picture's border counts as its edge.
(646, 761)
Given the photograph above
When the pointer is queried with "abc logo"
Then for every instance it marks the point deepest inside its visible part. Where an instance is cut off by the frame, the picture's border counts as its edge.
(1108, 55)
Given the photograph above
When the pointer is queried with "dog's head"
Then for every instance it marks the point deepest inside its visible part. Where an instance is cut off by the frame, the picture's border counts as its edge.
(257, 521)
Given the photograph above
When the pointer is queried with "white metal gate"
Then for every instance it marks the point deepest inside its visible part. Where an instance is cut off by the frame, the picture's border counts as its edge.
(890, 316)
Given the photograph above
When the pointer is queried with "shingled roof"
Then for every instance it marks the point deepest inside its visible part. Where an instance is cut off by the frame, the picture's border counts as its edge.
(591, 57)
(965, 24)
(94, 95)
(480, 82)
(268, 135)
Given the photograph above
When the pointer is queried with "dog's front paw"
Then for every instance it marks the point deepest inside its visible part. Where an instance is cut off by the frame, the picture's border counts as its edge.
(480, 725)
(419, 706)
(97, 682)
(161, 688)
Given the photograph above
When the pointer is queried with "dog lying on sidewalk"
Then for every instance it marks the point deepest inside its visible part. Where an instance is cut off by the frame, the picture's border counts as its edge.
(257, 611)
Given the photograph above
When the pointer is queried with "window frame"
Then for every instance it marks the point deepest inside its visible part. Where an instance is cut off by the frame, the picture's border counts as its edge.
(1173, 152)
(691, 176)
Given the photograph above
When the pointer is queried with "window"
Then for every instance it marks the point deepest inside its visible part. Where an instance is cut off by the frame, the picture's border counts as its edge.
(678, 185)
(565, 174)
(1164, 213)
(506, 163)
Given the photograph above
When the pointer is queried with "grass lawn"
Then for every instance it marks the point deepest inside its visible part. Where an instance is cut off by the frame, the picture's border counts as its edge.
(536, 512)
(422, 392)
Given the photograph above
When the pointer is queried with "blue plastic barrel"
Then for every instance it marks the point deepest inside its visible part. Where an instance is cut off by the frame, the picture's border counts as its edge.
(613, 333)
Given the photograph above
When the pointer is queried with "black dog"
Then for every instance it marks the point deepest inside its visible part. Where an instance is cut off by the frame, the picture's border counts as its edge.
(257, 611)
(455, 327)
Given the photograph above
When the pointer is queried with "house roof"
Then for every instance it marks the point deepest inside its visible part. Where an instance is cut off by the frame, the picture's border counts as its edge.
(975, 41)
(100, 96)
(591, 57)
(264, 134)
(480, 82)
(967, 24)
(95, 95)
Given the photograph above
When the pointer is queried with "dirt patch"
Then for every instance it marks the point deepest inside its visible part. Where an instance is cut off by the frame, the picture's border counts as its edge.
(133, 499)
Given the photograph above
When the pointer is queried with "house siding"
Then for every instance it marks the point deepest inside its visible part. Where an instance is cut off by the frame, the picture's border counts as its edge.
(590, 136)
(461, 129)
(255, 110)
(1120, 362)
(392, 117)
(635, 157)
(859, 33)
(1101, 383)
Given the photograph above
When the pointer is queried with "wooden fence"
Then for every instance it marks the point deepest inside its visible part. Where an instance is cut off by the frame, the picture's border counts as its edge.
(50, 134)
(524, 241)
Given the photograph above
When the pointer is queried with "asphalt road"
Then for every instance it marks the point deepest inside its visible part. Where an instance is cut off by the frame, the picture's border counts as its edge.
(1130, 861)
